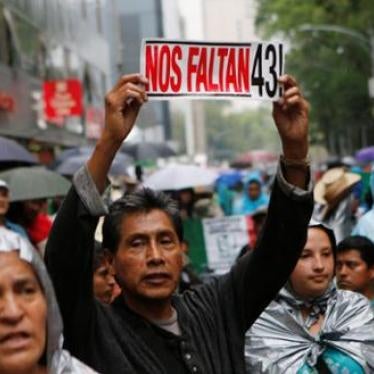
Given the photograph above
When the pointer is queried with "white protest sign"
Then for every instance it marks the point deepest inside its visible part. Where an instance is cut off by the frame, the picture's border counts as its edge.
(224, 237)
(211, 70)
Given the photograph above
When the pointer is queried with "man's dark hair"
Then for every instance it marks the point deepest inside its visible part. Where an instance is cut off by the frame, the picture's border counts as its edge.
(141, 200)
(360, 244)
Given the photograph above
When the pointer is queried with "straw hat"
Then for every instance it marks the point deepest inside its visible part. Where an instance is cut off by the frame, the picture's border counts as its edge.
(333, 186)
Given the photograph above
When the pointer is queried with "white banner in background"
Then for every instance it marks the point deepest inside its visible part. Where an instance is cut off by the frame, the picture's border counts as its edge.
(211, 70)
(224, 238)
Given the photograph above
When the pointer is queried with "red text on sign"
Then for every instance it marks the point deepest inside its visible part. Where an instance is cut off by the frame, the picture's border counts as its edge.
(201, 69)
(162, 68)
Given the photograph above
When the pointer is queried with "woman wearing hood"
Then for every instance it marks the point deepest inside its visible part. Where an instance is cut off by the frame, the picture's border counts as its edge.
(311, 327)
(254, 198)
(30, 323)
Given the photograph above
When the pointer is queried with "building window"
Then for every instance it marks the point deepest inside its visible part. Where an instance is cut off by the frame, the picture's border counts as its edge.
(103, 84)
(28, 43)
(4, 43)
(98, 17)
(87, 86)
(84, 8)
(42, 60)
(8, 50)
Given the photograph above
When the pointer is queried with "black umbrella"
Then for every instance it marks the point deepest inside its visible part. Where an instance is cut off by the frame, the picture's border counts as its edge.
(13, 153)
(147, 150)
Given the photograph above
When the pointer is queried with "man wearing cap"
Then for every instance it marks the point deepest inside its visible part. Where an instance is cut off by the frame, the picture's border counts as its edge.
(4, 207)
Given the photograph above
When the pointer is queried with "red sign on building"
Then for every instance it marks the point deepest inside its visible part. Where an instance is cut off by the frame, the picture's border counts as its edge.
(6, 102)
(62, 98)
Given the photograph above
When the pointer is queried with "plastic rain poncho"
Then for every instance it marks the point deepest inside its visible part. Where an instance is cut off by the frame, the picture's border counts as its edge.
(279, 341)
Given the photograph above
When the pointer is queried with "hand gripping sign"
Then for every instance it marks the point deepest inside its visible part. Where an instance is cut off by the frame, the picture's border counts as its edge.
(211, 70)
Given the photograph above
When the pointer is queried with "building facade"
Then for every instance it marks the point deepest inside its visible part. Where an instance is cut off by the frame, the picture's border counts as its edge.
(138, 20)
(53, 40)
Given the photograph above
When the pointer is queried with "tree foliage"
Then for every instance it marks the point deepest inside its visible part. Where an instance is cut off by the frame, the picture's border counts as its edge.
(333, 67)
(230, 133)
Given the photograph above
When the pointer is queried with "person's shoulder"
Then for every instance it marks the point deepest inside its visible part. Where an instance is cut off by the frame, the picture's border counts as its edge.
(203, 294)
(352, 298)
(16, 228)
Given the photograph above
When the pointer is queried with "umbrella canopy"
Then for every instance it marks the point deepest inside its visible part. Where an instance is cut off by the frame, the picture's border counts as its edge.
(229, 178)
(12, 152)
(178, 177)
(254, 157)
(365, 154)
(147, 150)
(70, 165)
(70, 152)
(27, 183)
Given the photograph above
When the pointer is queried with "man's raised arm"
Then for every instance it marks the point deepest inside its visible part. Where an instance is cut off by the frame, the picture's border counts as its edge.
(290, 114)
(122, 105)
(256, 279)
(70, 245)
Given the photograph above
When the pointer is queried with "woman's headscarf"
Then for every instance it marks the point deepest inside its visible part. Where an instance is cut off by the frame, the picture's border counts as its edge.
(59, 361)
(249, 206)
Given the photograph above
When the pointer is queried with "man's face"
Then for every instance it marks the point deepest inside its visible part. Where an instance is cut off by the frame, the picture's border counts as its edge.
(4, 201)
(149, 257)
(254, 190)
(353, 273)
(103, 282)
(315, 268)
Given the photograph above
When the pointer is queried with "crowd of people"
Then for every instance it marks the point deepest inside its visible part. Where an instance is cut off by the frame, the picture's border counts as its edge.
(298, 300)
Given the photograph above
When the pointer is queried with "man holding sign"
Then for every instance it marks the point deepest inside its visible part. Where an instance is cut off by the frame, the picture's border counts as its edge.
(148, 329)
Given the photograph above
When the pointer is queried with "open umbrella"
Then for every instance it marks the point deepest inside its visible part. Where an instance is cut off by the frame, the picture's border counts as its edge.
(178, 177)
(365, 154)
(229, 178)
(27, 183)
(147, 150)
(70, 152)
(70, 165)
(12, 152)
(257, 156)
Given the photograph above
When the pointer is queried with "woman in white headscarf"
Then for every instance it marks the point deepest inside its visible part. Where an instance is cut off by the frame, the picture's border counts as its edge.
(30, 323)
(311, 327)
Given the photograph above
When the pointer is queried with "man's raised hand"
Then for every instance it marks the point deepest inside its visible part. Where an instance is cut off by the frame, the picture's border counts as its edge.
(122, 106)
(290, 114)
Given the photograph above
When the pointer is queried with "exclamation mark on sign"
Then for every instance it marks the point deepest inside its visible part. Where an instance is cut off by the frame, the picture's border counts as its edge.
(280, 48)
